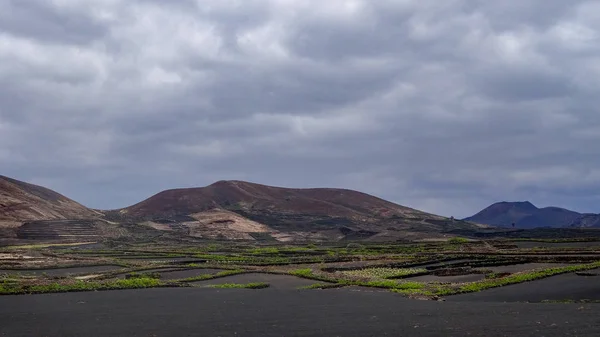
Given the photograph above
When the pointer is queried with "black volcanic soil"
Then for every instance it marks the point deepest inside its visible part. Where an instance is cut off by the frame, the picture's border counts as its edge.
(555, 288)
(447, 279)
(275, 281)
(179, 274)
(265, 313)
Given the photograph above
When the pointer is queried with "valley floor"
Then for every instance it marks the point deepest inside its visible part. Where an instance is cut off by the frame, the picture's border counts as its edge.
(455, 288)
(275, 312)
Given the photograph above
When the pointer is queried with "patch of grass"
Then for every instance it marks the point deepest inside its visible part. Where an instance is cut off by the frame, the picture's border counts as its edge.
(384, 272)
(265, 250)
(306, 272)
(255, 285)
(386, 284)
(80, 285)
(458, 240)
(309, 274)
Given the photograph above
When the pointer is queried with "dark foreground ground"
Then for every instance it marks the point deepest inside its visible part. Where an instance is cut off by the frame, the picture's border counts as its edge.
(566, 287)
(272, 312)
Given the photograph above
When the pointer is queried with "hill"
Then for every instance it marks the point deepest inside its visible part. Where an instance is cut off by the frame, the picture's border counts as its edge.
(229, 210)
(31, 211)
(525, 215)
(20, 202)
(288, 213)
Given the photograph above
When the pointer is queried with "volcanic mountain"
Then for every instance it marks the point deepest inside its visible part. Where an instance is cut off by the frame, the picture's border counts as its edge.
(20, 202)
(284, 212)
(223, 210)
(525, 215)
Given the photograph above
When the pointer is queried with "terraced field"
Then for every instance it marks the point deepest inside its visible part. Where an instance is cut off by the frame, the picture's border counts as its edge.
(415, 270)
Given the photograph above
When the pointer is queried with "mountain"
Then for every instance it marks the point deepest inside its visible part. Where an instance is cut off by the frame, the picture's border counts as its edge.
(231, 210)
(587, 220)
(525, 215)
(20, 202)
(29, 211)
(284, 213)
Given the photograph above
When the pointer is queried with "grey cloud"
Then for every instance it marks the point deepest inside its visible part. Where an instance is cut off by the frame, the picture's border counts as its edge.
(48, 23)
(445, 107)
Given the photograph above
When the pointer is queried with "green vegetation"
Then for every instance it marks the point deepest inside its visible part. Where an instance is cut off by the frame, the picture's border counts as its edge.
(306, 273)
(384, 273)
(458, 240)
(330, 265)
(309, 274)
(255, 285)
(389, 284)
(79, 285)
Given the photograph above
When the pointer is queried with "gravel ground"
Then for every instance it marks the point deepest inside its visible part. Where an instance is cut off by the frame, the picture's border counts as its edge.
(275, 281)
(267, 312)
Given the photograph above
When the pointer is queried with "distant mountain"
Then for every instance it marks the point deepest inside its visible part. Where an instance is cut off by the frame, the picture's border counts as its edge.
(587, 220)
(525, 215)
(20, 202)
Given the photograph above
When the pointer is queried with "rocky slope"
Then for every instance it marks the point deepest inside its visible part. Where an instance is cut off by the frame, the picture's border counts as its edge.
(21, 202)
(224, 210)
(308, 213)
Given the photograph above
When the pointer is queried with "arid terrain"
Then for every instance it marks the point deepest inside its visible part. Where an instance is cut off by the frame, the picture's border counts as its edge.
(243, 259)
(226, 210)
(214, 288)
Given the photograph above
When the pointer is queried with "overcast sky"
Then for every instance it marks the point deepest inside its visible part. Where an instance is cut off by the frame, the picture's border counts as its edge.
(446, 106)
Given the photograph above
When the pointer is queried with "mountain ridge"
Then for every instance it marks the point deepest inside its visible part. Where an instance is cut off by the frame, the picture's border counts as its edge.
(524, 214)
(21, 201)
(226, 209)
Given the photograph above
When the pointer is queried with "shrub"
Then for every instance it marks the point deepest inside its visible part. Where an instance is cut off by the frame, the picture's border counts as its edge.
(458, 240)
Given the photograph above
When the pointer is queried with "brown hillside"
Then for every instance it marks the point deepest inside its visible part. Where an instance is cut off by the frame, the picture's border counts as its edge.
(21, 202)
(309, 213)
(249, 197)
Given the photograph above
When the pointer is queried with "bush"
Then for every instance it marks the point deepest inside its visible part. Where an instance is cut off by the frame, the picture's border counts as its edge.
(354, 246)
(458, 240)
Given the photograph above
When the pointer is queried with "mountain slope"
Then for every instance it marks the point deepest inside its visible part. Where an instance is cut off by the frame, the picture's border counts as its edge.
(223, 210)
(20, 202)
(324, 211)
(587, 220)
(526, 215)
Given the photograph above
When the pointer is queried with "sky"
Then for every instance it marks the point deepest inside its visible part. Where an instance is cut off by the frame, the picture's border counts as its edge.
(445, 106)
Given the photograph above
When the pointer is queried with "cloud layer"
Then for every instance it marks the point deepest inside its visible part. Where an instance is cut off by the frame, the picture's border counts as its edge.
(443, 106)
